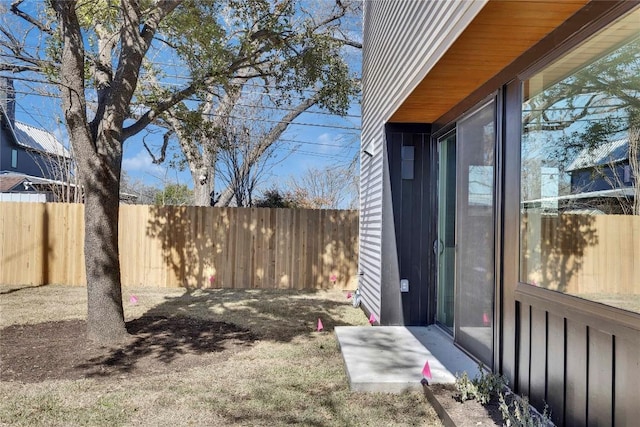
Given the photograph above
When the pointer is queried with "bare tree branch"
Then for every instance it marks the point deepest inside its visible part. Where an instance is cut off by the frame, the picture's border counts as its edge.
(15, 9)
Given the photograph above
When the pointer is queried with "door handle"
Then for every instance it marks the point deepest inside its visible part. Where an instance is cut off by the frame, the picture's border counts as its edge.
(438, 246)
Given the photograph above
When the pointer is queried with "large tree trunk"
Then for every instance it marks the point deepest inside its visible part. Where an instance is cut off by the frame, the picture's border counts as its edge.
(203, 175)
(105, 317)
(99, 158)
(97, 146)
(202, 193)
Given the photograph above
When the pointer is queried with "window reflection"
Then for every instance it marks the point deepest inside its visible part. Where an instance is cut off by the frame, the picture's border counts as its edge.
(580, 196)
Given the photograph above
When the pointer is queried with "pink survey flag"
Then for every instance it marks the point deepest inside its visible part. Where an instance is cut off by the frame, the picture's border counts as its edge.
(133, 299)
(485, 319)
(349, 295)
(320, 327)
(212, 279)
(333, 278)
(426, 371)
(372, 318)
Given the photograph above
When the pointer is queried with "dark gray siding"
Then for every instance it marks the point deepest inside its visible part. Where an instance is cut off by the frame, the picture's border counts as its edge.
(412, 187)
(402, 42)
(581, 359)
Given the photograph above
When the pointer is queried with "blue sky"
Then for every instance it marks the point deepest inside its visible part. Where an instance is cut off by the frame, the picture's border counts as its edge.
(320, 140)
(335, 141)
(313, 146)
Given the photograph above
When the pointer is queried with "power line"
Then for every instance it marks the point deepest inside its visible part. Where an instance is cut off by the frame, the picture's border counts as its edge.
(266, 107)
(313, 143)
(286, 121)
(320, 155)
(314, 154)
(34, 115)
(324, 113)
(179, 77)
(293, 123)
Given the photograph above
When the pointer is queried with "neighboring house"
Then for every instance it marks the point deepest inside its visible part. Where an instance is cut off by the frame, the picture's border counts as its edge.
(30, 155)
(465, 106)
(34, 165)
(604, 173)
(17, 187)
(599, 180)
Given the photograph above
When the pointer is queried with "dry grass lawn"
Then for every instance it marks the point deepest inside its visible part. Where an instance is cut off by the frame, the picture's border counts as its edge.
(288, 375)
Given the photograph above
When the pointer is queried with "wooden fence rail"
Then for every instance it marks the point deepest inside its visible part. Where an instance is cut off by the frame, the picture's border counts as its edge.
(194, 247)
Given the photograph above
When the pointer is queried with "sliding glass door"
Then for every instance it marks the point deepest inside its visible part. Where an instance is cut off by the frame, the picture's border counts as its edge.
(475, 230)
(465, 246)
(445, 245)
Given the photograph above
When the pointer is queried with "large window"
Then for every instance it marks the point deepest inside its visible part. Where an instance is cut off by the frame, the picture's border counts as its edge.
(580, 170)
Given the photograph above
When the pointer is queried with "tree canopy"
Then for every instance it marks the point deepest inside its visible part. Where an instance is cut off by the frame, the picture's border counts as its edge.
(100, 54)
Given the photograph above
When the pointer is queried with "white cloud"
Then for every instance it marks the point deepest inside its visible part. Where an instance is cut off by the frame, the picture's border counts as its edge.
(325, 138)
(329, 143)
(141, 162)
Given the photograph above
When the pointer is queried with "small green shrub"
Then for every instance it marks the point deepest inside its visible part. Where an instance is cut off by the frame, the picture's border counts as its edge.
(482, 388)
(519, 413)
(516, 411)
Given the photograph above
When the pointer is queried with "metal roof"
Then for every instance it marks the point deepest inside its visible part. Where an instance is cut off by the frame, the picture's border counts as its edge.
(614, 192)
(8, 180)
(40, 140)
(607, 153)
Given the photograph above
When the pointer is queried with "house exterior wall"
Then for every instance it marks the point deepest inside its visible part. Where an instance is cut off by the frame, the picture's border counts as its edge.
(402, 41)
(410, 159)
(578, 356)
(28, 162)
(6, 143)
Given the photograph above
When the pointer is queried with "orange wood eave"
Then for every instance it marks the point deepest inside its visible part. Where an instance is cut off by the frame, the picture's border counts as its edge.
(502, 31)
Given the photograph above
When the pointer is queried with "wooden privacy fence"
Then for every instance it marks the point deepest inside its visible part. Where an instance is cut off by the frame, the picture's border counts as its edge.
(194, 247)
(584, 254)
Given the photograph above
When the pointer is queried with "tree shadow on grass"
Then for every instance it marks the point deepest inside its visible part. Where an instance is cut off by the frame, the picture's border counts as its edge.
(274, 315)
(200, 322)
(168, 340)
(12, 289)
(193, 329)
(158, 344)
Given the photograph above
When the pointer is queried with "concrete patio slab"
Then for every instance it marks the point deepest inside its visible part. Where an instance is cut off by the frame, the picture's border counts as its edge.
(390, 358)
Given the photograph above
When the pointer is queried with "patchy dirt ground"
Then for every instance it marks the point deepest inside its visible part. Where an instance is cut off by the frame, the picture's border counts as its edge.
(39, 352)
(157, 345)
(194, 357)
(469, 413)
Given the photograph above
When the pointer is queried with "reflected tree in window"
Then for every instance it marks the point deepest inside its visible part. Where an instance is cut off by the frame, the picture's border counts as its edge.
(586, 128)
(580, 195)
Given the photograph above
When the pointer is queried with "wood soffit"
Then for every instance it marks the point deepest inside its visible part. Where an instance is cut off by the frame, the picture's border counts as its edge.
(500, 33)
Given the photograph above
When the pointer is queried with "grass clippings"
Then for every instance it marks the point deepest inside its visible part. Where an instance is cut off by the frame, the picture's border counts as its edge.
(203, 357)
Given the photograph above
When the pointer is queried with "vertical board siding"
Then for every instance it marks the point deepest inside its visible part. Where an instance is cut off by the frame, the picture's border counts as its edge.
(600, 379)
(193, 247)
(538, 348)
(413, 223)
(587, 371)
(576, 374)
(402, 42)
(524, 348)
(626, 381)
(555, 355)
